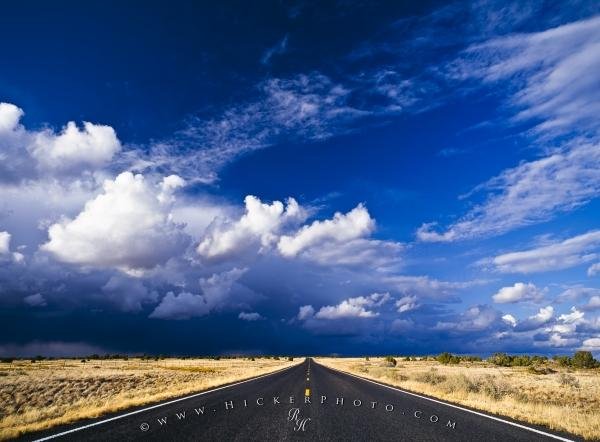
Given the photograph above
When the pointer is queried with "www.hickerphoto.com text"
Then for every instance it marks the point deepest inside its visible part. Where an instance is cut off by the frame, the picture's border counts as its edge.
(293, 413)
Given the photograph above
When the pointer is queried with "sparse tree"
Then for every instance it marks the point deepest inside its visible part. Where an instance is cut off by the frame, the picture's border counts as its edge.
(390, 361)
(584, 359)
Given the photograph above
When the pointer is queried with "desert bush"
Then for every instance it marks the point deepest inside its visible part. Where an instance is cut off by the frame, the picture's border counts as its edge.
(396, 376)
(430, 377)
(568, 380)
(540, 369)
(290, 358)
(7, 360)
(390, 361)
(460, 383)
(494, 388)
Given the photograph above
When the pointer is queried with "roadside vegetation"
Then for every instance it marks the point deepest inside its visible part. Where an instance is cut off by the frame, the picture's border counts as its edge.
(40, 393)
(562, 393)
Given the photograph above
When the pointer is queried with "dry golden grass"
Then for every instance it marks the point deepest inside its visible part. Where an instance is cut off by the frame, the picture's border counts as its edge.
(37, 396)
(563, 399)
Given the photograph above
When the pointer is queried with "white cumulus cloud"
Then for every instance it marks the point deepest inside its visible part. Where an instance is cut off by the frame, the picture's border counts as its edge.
(534, 322)
(341, 228)
(260, 224)
(4, 243)
(353, 307)
(406, 304)
(128, 294)
(9, 116)
(510, 320)
(591, 344)
(517, 293)
(216, 292)
(125, 227)
(475, 318)
(253, 316)
(28, 153)
(93, 146)
(305, 312)
(594, 269)
(35, 300)
(185, 305)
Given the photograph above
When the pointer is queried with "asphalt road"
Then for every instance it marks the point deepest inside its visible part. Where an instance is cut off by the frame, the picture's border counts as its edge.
(276, 407)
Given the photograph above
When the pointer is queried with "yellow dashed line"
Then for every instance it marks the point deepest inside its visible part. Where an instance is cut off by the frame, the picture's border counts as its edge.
(307, 392)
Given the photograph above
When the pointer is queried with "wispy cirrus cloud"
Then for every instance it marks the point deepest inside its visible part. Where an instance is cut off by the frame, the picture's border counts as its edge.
(568, 253)
(307, 107)
(552, 74)
(529, 193)
(552, 85)
(278, 49)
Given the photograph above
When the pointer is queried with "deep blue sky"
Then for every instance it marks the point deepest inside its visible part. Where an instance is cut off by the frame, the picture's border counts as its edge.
(443, 158)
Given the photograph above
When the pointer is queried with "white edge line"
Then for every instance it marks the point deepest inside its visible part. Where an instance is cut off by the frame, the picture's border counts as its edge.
(162, 405)
(514, 424)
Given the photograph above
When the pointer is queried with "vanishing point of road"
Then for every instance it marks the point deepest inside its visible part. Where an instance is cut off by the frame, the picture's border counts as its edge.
(305, 402)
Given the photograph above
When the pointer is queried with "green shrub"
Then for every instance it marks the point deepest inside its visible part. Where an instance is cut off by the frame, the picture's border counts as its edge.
(581, 359)
(563, 361)
(501, 359)
(584, 359)
(520, 361)
(504, 360)
(447, 358)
